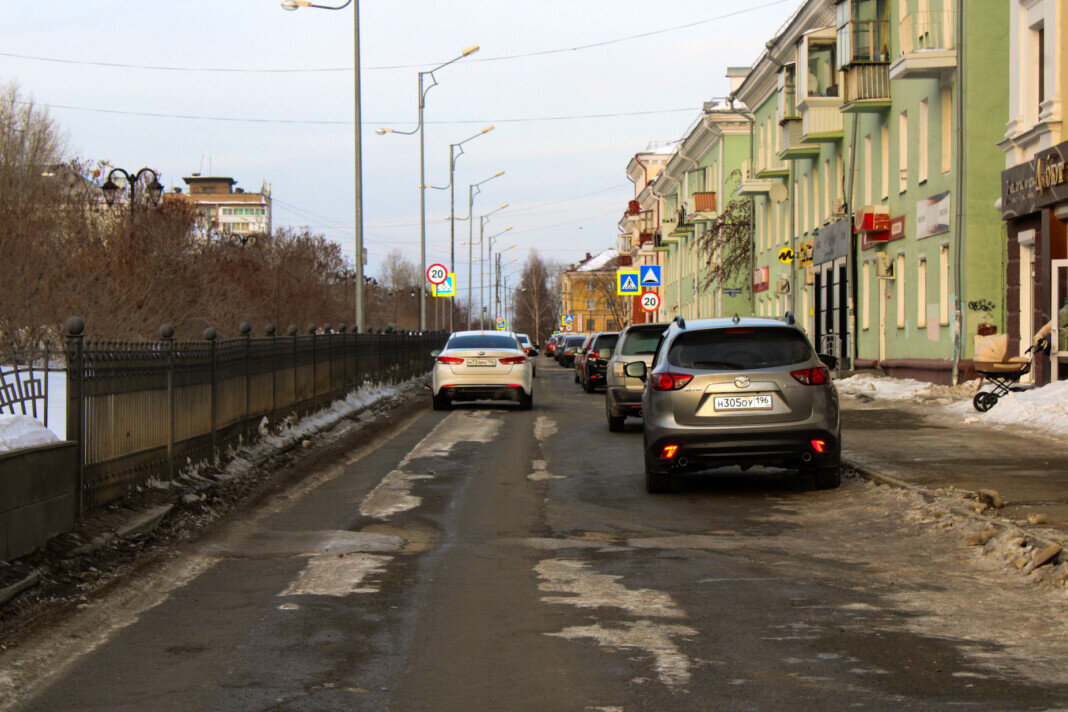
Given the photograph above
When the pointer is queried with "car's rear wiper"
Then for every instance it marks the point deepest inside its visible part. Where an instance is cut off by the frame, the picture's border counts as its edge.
(717, 364)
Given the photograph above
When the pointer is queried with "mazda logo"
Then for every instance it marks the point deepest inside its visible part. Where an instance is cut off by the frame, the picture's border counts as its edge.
(481, 353)
(742, 381)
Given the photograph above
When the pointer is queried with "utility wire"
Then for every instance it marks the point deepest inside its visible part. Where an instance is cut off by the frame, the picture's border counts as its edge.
(314, 122)
(306, 70)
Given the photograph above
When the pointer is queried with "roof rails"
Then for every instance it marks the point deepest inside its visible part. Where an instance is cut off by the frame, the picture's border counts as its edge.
(680, 321)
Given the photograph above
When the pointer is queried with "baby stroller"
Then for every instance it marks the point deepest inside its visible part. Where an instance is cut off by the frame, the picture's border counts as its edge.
(993, 364)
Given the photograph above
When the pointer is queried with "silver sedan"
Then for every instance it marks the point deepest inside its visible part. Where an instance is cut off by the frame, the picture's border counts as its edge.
(482, 365)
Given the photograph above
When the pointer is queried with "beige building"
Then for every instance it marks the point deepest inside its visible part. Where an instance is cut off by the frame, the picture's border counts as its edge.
(588, 294)
(224, 208)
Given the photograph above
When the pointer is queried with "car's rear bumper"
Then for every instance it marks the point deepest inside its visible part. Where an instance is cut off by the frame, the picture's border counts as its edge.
(624, 400)
(785, 448)
(487, 392)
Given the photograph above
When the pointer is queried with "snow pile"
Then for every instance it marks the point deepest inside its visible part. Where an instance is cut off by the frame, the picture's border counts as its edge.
(22, 431)
(1044, 408)
(598, 262)
(866, 384)
(289, 431)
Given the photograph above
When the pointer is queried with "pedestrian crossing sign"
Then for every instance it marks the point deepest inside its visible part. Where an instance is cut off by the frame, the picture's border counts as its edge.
(650, 276)
(567, 319)
(628, 282)
(446, 288)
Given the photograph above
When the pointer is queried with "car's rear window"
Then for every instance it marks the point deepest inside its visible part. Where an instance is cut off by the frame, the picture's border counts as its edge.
(642, 342)
(739, 349)
(523, 339)
(482, 341)
(606, 341)
(575, 340)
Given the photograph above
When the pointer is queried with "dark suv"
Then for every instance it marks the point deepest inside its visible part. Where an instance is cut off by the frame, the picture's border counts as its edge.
(565, 350)
(595, 360)
(738, 392)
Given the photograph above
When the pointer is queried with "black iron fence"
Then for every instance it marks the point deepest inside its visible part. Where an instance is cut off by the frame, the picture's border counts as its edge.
(24, 380)
(146, 410)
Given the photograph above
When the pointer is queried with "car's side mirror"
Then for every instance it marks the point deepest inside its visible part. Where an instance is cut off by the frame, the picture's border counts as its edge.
(635, 369)
(829, 361)
(435, 353)
(533, 352)
(579, 352)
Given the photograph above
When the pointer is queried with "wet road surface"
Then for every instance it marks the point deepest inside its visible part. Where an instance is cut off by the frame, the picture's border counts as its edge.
(490, 559)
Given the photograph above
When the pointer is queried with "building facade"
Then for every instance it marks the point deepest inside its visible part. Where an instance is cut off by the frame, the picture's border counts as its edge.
(221, 207)
(588, 294)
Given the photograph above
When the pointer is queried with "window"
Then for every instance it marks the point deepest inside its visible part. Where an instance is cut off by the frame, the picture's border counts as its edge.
(828, 204)
(804, 204)
(943, 285)
(925, 135)
(1040, 47)
(642, 341)
(921, 293)
(739, 349)
(868, 176)
(947, 130)
(886, 161)
(787, 93)
(903, 151)
(228, 211)
(865, 308)
(863, 31)
(482, 341)
(796, 205)
(899, 277)
(822, 70)
(591, 304)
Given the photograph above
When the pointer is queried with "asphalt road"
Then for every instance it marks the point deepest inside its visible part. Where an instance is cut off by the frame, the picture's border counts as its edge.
(488, 559)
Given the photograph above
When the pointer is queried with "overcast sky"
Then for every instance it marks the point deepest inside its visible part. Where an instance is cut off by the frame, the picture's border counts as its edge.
(577, 166)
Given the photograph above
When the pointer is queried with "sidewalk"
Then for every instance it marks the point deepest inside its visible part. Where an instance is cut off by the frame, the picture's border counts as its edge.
(921, 444)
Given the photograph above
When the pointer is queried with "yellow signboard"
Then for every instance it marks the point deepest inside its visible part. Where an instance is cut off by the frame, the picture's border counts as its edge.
(446, 288)
(628, 282)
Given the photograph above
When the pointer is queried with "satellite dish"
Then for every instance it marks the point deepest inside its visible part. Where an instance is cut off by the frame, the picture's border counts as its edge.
(778, 192)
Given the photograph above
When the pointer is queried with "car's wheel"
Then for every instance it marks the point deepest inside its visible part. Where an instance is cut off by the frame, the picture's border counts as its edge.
(526, 401)
(657, 481)
(615, 422)
(441, 403)
(587, 385)
(827, 477)
(576, 377)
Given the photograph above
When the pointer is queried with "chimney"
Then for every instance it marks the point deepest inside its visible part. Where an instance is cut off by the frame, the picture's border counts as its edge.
(737, 75)
(589, 256)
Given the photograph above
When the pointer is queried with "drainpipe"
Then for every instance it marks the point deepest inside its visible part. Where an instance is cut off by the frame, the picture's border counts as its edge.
(851, 259)
(958, 232)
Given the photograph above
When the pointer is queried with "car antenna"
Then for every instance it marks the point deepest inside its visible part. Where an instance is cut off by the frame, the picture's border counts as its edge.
(681, 322)
(736, 318)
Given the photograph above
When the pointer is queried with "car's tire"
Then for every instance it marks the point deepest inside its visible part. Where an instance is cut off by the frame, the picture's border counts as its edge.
(526, 401)
(587, 385)
(615, 422)
(575, 375)
(657, 482)
(827, 477)
(441, 403)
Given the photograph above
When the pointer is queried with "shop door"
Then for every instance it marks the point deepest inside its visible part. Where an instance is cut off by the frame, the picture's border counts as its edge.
(818, 308)
(1059, 343)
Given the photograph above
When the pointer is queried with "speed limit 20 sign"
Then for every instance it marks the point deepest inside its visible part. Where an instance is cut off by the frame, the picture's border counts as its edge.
(436, 273)
(650, 301)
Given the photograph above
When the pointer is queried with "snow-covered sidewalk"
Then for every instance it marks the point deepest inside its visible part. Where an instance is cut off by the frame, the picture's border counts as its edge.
(1044, 410)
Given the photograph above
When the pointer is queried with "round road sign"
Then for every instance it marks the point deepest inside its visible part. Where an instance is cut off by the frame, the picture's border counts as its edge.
(786, 255)
(650, 301)
(436, 273)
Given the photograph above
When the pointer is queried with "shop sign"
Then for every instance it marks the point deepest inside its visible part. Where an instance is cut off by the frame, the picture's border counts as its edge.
(932, 216)
(1039, 183)
(873, 218)
(761, 279)
(896, 231)
(832, 242)
(804, 253)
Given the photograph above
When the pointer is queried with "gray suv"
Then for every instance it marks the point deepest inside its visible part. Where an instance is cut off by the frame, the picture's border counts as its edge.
(623, 394)
(738, 392)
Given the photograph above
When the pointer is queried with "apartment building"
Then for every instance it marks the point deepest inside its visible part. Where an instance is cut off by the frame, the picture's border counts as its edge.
(588, 293)
(222, 207)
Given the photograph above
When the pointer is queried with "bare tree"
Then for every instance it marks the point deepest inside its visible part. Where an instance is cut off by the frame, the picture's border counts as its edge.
(727, 246)
(537, 304)
(603, 285)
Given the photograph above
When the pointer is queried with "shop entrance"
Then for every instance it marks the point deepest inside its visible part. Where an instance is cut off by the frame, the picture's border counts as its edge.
(1059, 309)
(831, 291)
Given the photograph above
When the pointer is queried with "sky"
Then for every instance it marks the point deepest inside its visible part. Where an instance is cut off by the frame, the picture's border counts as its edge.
(565, 178)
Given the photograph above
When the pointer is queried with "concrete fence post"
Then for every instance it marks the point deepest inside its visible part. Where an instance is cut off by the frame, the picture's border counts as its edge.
(75, 348)
(246, 331)
(270, 331)
(213, 393)
(166, 335)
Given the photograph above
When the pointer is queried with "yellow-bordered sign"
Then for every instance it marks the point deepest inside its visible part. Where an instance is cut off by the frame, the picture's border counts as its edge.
(628, 282)
(446, 288)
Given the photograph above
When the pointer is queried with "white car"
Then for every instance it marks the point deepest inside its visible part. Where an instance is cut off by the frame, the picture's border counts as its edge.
(482, 365)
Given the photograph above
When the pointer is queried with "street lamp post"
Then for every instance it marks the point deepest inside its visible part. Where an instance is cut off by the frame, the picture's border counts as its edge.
(358, 158)
(492, 239)
(497, 278)
(112, 190)
(481, 257)
(422, 168)
(472, 190)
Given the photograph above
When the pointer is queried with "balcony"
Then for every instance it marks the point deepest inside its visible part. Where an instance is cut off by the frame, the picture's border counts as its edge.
(928, 43)
(866, 87)
(791, 145)
(761, 185)
(821, 119)
(704, 202)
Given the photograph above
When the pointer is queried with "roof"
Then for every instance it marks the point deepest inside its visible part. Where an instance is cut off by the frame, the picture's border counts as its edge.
(598, 262)
(209, 179)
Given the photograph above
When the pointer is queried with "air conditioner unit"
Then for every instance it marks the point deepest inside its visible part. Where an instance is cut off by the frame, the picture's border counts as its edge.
(884, 267)
(840, 208)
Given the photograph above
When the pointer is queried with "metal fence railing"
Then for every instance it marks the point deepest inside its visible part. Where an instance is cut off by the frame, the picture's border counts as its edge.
(146, 409)
(24, 380)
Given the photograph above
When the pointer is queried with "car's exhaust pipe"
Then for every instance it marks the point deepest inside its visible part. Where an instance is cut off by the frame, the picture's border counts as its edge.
(683, 462)
(807, 457)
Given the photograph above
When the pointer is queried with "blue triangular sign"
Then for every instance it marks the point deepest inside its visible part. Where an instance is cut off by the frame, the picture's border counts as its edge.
(650, 277)
(629, 285)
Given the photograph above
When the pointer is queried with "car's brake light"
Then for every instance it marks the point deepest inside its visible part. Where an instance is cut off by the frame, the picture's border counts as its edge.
(449, 359)
(819, 446)
(513, 359)
(665, 381)
(817, 376)
(594, 354)
(668, 452)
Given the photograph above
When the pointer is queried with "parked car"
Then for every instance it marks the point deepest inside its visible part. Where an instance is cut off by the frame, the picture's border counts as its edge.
(580, 357)
(595, 360)
(531, 350)
(550, 345)
(623, 394)
(567, 348)
(482, 365)
(738, 392)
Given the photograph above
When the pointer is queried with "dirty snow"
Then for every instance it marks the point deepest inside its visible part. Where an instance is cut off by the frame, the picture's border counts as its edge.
(598, 262)
(337, 575)
(22, 431)
(872, 386)
(1044, 408)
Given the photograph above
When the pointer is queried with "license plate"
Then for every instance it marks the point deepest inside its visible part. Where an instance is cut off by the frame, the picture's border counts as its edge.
(742, 402)
(480, 362)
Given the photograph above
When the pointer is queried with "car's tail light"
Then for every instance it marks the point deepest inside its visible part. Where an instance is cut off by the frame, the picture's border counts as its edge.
(668, 452)
(665, 381)
(594, 354)
(449, 359)
(813, 376)
(819, 446)
(513, 359)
